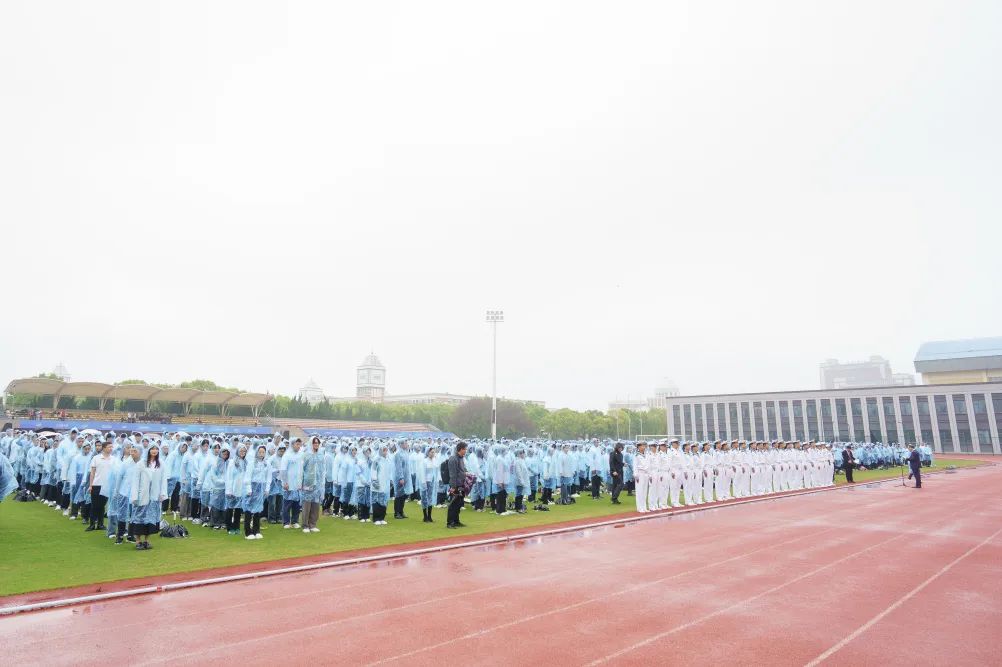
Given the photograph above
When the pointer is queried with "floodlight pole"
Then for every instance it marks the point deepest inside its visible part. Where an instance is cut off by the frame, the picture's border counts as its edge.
(494, 316)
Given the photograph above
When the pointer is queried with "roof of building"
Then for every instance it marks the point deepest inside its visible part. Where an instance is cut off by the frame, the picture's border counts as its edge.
(371, 360)
(959, 355)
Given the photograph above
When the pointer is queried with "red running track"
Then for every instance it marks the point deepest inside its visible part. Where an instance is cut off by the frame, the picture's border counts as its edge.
(877, 574)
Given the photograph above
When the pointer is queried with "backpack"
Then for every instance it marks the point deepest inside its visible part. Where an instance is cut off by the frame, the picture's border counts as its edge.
(444, 469)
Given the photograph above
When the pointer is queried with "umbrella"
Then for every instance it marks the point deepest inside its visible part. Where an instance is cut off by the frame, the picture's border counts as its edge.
(48, 434)
(90, 431)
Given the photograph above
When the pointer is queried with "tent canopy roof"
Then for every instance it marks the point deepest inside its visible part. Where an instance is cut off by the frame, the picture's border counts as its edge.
(141, 392)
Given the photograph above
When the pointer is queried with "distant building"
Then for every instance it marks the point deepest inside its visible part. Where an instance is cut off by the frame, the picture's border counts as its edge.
(441, 398)
(631, 404)
(949, 418)
(370, 385)
(370, 382)
(60, 372)
(902, 379)
(311, 393)
(667, 390)
(960, 361)
(853, 375)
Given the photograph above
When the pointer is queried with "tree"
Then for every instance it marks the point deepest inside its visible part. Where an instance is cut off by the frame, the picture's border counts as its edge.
(473, 419)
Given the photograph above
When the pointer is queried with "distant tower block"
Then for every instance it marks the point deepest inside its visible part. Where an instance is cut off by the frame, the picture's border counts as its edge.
(371, 379)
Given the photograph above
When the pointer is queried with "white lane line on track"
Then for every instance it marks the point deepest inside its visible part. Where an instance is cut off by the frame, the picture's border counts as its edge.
(741, 603)
(621, 592)
(912, 593)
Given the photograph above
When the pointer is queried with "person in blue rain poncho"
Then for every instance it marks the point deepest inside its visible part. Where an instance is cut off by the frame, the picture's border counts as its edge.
(401, 479)
(292, 485)
(383, 476)
(431, 476)
(520, 479)
(148, 492)
(235, 473)
(276, 500)
(312, 491)
(346, 479)
(215, 480)
(363, 484)
(8, 480)
(257, 482)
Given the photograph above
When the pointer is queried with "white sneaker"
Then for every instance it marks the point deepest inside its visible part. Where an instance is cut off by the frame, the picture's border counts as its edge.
(306, 530)
(575, 495)
(347, 518)
(73, 518)
(66, 512)
(314, 530)
(258, 536)
(286, 526)
(296, 525)
(249, 537)
(197, 522)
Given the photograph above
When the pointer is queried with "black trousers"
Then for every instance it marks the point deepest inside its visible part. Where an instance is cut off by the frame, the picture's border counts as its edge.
(455, 504)
(195, 508)
(175, 497)
(398, 507)
(233, 518)
(596, 486)
(501, 501)
(917, 473)
(617, 486)
(378, 512)
(518, 504)
(252, 523)
(848, 474)
(97, 502)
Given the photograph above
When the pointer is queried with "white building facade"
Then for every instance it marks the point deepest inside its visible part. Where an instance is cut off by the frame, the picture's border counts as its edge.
(948, 418)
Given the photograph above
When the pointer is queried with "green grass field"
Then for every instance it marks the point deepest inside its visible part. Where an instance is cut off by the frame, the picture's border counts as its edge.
(40, 549)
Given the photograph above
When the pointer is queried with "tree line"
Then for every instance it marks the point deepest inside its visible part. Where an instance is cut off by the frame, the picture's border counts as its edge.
(470, 419)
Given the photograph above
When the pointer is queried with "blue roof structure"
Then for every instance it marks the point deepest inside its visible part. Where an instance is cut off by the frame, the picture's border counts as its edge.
(959, 355)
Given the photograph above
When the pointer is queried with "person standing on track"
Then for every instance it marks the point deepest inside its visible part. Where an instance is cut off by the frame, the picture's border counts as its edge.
(848, 462)
(915, 464)
(457, 478)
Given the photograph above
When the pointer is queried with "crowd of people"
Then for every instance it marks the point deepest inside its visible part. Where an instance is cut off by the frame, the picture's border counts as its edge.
(127, 484)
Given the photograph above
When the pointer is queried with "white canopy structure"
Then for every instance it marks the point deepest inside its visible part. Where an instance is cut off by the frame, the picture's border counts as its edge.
(136, 392)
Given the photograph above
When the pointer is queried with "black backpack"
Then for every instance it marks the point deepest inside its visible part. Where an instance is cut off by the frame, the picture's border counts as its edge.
(444, 469)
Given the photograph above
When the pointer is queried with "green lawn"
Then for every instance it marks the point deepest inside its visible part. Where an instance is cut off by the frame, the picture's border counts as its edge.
(40, 549)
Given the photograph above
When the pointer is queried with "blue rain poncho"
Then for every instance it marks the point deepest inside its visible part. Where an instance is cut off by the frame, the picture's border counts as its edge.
(431, 477)
(363, 480)
(257, 483)
(314, 477)
(149, 490)
(8, 480)
(215, 483)
(235, 473)
(383, 476)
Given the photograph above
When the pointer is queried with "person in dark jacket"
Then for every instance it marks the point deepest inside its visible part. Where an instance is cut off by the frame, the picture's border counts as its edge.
(616, 471)
(457, 476)
(915, 463)
(848, 462)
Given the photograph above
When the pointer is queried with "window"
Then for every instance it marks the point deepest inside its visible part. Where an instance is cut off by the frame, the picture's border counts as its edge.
(732, 408)
(812, 419)
(873, 416)
(890, 419)
(699, 421)
(943, 419)
(858, 432)
(784, 420)
(746, 420)
(722, 421)
(982, 422)
(676, 419)
(770, 413)
(759, 420)
(843, 419)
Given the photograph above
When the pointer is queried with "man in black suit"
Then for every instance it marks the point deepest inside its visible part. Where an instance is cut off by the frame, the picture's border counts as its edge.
(848, 462)
(616, 470)
(915, 464)
(457, 477)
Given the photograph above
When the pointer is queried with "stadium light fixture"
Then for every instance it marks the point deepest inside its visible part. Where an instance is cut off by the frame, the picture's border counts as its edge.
(493, 317)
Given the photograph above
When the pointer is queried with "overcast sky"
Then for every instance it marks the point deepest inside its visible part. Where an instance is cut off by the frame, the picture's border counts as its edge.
(719, 193)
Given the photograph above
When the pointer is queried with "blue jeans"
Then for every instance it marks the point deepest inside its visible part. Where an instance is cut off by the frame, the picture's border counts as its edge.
(290, 508)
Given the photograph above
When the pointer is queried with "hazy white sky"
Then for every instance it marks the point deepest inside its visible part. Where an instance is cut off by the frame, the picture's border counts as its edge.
(721, 193)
